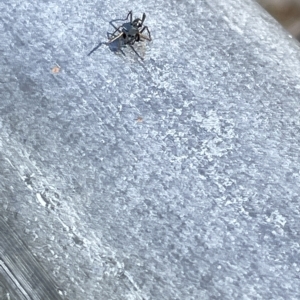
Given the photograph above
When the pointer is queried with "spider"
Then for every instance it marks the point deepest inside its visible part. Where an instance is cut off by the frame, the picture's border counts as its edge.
(130, 32)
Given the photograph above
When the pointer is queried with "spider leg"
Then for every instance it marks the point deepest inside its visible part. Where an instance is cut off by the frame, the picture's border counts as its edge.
(116, 29)
(115, 38)
(129, 14)
(143, 18)
(136, 52)
(145, 37)
(146, 27)
(122, 52)
(94, 49)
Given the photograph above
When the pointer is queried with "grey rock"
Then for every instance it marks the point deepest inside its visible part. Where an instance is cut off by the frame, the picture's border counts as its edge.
(172, 178)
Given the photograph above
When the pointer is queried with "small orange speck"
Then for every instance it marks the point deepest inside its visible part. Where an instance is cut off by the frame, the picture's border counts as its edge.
(139, 119)
(55, 69)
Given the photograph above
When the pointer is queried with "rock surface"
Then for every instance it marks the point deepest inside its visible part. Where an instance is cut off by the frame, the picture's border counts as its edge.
(172, 178)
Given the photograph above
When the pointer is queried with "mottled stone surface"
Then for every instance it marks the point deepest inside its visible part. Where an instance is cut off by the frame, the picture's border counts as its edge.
(172, 178)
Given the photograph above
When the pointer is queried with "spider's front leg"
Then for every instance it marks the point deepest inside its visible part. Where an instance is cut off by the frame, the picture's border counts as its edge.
(143, 19)
(145, 37)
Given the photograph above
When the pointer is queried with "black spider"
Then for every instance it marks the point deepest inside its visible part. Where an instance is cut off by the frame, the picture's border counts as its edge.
(131, 32)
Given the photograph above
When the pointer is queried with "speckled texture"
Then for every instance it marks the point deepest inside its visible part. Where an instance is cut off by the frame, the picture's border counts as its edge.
(175, 178)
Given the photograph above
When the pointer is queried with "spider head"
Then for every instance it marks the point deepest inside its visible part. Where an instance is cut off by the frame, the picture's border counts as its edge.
(137, 22)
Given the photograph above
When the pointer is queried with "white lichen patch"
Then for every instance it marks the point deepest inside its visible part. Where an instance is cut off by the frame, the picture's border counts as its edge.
(277, 219)
(212, 122)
